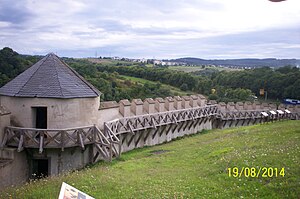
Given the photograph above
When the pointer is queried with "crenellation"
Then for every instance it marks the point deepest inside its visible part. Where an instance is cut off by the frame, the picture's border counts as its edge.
(222, 106)
(169, 104)
(149, 105)
(239, 106)
(201, 100)
(193, 101)
(272, 106)
(186, 101)
(109, 104)
(212, 102)
(137, 107)
(125, 107)
(177, 102)
(257, 105)
(265, 106)
(297, 108)
(159, 104)
(282, 107)
(230, 106)
(248, 106)
(290, 107)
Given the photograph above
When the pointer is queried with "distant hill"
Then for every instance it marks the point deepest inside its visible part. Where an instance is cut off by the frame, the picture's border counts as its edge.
(271, 62)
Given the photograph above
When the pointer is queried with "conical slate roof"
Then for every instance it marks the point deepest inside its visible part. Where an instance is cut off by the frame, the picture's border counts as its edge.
(49, 78)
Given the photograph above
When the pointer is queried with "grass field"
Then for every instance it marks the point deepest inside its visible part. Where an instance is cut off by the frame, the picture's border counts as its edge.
(144, 81)
(192, 167)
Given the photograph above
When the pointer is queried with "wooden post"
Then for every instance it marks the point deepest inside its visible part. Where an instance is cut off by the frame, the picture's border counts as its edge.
(20, 146)
(62, 143)
(41, 142)
(80, 140)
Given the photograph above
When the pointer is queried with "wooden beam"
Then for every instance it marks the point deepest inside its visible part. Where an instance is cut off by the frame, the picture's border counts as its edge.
(41, 142)
(131, 129)
(80, 140)
(20, 146)
(62, 141)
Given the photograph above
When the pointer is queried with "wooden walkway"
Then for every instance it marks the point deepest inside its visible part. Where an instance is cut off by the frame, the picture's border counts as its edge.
(62, 138)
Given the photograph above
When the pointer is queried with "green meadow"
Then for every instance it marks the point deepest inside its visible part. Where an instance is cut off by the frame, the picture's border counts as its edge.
(193, 167)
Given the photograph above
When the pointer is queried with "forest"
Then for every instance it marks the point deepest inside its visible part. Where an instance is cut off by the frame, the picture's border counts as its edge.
(108, 77)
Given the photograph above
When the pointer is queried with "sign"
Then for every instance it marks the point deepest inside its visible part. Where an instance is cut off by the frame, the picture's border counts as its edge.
(264, 114)
(69, 192)
(262, 91)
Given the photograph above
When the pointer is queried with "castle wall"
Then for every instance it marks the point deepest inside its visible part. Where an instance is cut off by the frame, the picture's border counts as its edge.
(67, 113)
(61, 113)
(162, 134)
(16, 170)
(63, 161)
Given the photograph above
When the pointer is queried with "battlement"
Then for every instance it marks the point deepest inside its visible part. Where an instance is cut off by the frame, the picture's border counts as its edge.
(149, 105)
(136, 107)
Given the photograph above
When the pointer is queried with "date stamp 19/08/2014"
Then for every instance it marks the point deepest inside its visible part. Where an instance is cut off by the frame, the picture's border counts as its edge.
(253, 172)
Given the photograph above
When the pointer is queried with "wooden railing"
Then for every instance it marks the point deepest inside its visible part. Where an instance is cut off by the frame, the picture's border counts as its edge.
(107, 146)
(140, 122)
(62, 138)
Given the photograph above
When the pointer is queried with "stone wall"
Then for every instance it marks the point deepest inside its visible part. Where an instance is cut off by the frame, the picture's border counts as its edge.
(62, 161)
(15, 170)
(112, 110)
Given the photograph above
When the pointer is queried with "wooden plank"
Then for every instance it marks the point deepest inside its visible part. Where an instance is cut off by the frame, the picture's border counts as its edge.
(35, 129)
(20, 146)
(131, 129)
(41, 143)
(81, 140)
(62, 141)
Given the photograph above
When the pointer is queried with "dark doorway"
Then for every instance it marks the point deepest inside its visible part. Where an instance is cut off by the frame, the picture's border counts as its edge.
(40, 168)
(40, 117)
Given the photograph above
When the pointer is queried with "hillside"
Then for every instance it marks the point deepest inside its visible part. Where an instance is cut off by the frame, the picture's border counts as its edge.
(192, 167)
(271, 62)
(141, 81)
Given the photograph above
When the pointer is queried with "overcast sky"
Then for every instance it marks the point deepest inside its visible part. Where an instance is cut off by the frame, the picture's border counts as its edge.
(152, 28)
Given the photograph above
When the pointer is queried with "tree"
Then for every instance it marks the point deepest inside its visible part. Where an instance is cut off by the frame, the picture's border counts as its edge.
(184, 87)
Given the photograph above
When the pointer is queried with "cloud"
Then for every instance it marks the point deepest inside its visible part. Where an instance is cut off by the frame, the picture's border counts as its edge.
(13, 13)
(147, 28)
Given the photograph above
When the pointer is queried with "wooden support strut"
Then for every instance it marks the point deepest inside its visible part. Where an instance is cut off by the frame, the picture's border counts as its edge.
(131, 129)
(41, 142)
(153, 122)
(80, 140)
(20, 146)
